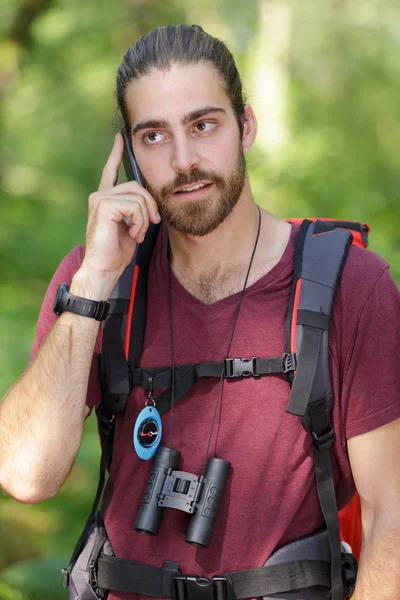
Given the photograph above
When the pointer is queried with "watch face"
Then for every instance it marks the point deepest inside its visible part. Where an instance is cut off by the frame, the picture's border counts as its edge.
(58, 304)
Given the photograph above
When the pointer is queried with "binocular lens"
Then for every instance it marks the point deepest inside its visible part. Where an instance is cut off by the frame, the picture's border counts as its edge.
(201, 526)
(149, 517)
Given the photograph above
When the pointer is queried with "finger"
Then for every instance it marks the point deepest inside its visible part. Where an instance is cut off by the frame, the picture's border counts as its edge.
(135, 188)
(138, 227)
(142, 231)
(118, 208)
(123, 208)
(110, 172)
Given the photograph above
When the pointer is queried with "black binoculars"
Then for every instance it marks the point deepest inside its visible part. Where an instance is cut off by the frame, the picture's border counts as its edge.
(168, 488)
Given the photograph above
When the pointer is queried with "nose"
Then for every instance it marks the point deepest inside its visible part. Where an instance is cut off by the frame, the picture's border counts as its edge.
(184, 155)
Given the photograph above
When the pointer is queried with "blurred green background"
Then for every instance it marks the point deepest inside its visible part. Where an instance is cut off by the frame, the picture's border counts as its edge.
(324, 79)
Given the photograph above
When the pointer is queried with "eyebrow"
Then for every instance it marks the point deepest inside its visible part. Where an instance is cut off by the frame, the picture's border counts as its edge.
(188, 118)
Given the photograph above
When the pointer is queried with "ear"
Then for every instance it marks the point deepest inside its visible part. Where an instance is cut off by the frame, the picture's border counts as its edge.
(249, 128)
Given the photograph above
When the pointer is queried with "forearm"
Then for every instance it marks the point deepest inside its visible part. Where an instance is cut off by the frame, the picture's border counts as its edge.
(41, 418)
(379, 569)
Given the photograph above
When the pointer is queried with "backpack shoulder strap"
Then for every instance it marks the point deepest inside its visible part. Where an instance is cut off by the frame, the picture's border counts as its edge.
(127, 298)
(320, 254)
(127, 314)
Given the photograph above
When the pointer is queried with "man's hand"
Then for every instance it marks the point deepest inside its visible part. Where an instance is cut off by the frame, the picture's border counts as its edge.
(119, 216)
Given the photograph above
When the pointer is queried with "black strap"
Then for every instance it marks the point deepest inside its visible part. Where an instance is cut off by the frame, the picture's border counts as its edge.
(186, 376)
(120, 575)
(323, 438)
(276, 579)
(114, 367)
(125, 576)
(312, 318)
(161, 377)
(118, 306)
(327, 499)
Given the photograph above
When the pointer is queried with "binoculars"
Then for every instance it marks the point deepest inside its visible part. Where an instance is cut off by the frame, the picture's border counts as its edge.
(198, 496)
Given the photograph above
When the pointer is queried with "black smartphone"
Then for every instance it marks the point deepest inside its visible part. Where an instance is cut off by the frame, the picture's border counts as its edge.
(130, 165)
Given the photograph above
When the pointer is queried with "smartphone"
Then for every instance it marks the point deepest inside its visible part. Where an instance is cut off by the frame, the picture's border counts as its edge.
(130, 165)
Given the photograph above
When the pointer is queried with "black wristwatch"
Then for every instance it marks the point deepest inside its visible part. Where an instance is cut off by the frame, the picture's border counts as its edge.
(64, 301)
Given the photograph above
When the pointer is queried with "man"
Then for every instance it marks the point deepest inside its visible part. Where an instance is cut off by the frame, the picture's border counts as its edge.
(181, 100)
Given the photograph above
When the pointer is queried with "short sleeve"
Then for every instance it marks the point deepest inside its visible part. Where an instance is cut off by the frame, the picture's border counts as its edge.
(64, 273)
(371, 380)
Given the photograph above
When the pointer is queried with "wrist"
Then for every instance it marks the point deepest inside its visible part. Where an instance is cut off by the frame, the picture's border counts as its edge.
(93, 286)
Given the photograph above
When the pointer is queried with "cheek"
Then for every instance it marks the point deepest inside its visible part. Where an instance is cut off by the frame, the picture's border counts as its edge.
(155, 170)
(225, 154)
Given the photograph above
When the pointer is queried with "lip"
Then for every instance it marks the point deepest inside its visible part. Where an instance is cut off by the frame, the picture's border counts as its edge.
(185, 187)
(196, 195)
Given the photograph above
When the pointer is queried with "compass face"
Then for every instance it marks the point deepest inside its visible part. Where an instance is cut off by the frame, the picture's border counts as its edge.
(148, 433)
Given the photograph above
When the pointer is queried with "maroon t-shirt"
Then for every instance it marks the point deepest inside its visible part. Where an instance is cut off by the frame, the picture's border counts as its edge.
(270, 497)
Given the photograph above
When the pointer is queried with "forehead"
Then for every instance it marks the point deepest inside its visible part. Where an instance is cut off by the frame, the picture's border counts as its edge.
(170, 94)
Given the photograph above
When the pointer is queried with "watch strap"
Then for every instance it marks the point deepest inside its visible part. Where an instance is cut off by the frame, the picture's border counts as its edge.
(67, 302)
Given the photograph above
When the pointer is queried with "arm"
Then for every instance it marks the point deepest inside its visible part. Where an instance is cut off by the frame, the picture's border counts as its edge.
(41, 418)
(375, 463)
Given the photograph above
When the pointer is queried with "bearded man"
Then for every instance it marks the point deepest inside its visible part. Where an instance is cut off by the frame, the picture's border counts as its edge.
(219, 280)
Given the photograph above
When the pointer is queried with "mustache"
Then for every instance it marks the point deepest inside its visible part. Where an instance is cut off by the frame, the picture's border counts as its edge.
(191, 177)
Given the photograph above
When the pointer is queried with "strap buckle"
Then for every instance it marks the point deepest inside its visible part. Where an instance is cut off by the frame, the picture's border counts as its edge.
(101, 311)
(191, 587)
(105, 423)
(323, 441)
(364, 234)
(289, 362)
(92, 574)
(349, 573)
(240, 367)
(65, 573)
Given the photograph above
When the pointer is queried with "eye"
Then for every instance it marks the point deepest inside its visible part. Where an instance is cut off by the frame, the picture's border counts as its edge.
(204, 126)
(153, 137)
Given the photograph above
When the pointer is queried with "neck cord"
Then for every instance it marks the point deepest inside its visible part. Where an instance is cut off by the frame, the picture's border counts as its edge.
(227, 350)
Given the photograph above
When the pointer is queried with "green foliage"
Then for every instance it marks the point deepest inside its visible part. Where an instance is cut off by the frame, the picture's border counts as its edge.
(34, 580)
(340, 160)
(8, 592)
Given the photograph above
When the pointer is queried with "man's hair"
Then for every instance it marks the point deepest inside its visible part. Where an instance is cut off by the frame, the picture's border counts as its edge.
(184, 44)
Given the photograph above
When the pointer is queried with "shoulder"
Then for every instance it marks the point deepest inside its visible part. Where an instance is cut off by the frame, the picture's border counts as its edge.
(362, 272)
(367, 299)
(362, 269)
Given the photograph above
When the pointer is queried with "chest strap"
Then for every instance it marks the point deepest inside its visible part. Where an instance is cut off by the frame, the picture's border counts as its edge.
(186, 376)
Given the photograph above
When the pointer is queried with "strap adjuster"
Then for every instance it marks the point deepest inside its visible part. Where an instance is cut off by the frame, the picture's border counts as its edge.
(106, 424)
(92, 574)
(65, 573)
(191, 587)
(240, 367)
(289, 362)
(324, 441)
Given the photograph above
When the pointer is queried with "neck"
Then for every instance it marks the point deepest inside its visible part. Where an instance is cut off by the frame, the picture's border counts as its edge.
(231, 242)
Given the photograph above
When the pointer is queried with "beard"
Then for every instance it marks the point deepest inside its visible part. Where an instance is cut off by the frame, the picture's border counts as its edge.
(200, 217)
